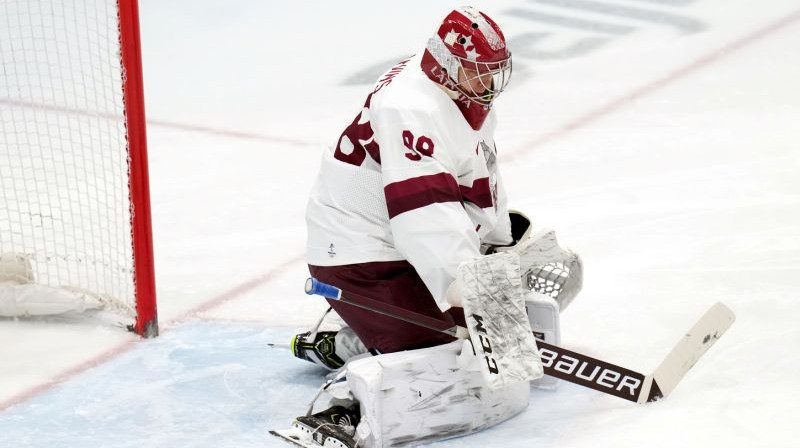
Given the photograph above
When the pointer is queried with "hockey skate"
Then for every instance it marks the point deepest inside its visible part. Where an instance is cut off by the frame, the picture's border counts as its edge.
(334, 427)
(317, 347)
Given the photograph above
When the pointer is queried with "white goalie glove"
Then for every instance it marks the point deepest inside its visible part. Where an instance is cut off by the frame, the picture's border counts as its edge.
(549, 269)
(546, 267)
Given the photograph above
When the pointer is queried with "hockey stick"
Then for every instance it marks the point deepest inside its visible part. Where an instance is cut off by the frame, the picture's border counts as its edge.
(572, 366)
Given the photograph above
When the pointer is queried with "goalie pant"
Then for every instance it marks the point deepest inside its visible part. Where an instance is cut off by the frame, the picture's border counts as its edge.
(395, 283)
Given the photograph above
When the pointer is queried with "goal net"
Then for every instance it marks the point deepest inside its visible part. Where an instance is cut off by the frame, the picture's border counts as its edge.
(74, 201)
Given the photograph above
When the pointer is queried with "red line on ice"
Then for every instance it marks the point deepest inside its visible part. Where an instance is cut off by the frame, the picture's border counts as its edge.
(237, 291)
(161, 123)
(67, 374)
(228, 132)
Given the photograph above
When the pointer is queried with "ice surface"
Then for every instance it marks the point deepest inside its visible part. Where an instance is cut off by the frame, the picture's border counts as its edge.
(666, 155)
(203, 384)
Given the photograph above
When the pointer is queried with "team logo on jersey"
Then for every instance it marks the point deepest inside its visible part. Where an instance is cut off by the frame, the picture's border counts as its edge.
(332, 251)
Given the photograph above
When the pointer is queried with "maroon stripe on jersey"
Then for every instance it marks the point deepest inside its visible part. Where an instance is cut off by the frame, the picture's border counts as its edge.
(479, 194)
(417, 192)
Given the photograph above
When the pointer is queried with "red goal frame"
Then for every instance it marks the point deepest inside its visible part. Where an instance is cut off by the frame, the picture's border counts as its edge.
(146, 323)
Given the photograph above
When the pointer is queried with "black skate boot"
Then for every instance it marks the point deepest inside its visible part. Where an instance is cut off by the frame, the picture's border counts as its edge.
(321, 350)
(334, 427)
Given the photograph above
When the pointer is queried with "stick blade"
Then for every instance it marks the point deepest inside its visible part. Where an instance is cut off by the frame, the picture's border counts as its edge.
(705, 332)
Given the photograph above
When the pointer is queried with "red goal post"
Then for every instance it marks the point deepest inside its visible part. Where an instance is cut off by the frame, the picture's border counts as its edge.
(131, 54)
(75, 218)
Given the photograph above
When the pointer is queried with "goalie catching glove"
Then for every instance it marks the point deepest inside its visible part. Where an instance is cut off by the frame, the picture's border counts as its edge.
(545, 267)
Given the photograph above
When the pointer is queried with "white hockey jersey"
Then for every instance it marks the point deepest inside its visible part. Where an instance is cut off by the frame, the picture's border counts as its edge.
(409, 179)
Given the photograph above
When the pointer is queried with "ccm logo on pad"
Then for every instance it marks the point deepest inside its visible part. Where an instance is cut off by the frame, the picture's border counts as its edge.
(486, 345)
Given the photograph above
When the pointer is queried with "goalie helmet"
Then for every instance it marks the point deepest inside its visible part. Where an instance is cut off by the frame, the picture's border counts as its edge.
(468, 54)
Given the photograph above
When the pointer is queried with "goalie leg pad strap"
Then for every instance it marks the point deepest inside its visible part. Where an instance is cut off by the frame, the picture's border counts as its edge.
(428, 394)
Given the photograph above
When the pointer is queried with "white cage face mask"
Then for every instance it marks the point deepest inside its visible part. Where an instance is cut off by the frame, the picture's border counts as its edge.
(481, 82)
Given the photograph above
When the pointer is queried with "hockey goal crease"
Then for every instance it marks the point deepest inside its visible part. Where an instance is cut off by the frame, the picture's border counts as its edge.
(575, 367)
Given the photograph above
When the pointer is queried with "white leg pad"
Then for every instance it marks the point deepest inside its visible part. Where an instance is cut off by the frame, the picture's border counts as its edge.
(544, 316)
(428, 394)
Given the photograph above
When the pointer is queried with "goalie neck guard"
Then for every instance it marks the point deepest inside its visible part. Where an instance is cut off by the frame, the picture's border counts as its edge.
(468, 56)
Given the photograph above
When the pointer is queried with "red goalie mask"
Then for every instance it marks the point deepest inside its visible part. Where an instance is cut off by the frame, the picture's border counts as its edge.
(468, 54)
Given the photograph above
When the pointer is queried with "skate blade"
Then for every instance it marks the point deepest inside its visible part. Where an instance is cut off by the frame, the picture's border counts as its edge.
(295, 436)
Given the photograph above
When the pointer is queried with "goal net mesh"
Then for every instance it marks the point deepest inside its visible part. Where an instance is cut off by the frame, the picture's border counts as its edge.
(64, 163)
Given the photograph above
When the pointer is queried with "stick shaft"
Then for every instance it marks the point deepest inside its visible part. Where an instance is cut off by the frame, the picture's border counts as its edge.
(558, 362)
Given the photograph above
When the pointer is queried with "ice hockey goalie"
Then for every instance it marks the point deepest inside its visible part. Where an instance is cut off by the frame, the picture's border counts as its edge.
(407, 208)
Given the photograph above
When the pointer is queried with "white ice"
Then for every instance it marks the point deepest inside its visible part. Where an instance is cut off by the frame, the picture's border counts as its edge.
(664, 147)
